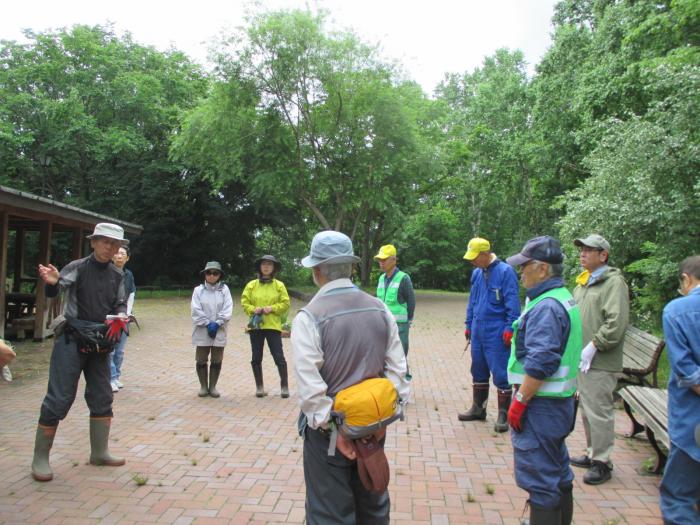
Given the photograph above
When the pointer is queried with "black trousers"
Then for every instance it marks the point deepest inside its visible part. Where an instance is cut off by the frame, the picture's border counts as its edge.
(67, 363)
(274, 342)
(334, 492)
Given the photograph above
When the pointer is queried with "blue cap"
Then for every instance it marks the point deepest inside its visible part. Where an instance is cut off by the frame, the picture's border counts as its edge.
(545, 248)
(330, 247)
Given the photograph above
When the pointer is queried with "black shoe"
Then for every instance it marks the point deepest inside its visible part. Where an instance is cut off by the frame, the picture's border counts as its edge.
(582, 461)
(598, 473)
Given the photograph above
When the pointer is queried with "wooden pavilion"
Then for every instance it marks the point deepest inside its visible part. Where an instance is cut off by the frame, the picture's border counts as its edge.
(39, 230)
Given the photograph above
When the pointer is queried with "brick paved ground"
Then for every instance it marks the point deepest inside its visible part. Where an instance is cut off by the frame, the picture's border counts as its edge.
(237, 459)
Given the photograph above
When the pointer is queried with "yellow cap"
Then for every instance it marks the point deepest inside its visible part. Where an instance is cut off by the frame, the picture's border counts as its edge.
(475, 247)
(386, 251)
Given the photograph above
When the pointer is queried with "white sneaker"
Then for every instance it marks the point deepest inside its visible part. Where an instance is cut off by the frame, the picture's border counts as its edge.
(115, 388)
(119, 383)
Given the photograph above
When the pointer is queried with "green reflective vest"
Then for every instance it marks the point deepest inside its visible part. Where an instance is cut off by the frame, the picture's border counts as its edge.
(563, 382)
(390, 296)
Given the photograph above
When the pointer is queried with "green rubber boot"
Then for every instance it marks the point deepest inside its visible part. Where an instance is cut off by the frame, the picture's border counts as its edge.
(41, 470)
(99, 436)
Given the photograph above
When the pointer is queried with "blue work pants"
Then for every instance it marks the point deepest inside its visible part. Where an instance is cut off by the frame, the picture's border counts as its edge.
(117, 357)
(489, 354)
(680, 489)
(539, 451)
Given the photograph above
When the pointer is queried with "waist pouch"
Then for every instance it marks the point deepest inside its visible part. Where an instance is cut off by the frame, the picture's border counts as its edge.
(89, 336)
(366, 407)
(372, 465)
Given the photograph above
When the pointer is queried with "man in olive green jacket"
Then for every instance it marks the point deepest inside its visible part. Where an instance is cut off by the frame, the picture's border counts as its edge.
(603, 299)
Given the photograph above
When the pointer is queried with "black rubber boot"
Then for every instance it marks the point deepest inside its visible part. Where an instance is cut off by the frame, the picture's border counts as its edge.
(41, 470)
(480, 394)
(202, 375)
(214, 371)
(258, 374)
(504, 397)
(284, 380)
(567, 504)
(99, 439)
(541, 516)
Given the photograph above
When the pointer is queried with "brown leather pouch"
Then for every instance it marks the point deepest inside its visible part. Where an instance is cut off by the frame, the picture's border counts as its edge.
(372, 465)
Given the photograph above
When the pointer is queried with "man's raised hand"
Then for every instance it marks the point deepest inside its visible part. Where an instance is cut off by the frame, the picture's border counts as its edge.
(49, 274)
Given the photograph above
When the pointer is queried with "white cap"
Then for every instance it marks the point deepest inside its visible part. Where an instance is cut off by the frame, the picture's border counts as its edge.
(111, 231)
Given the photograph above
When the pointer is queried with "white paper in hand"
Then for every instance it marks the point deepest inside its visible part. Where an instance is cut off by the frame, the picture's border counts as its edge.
(6, 374)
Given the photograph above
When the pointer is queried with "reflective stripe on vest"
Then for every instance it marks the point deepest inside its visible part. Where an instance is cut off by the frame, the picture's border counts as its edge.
(390, 296)
(563, 382)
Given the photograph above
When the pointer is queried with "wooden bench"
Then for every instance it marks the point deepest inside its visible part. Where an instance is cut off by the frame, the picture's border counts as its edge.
(640, 357)
(651, 404)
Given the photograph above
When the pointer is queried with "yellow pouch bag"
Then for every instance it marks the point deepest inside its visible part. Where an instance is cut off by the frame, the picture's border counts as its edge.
(364, 408)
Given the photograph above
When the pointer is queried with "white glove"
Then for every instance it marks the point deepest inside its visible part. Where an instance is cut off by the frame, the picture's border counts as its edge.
(587, 356)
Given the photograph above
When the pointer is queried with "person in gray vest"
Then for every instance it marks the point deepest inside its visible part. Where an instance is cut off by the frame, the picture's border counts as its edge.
(342, 337)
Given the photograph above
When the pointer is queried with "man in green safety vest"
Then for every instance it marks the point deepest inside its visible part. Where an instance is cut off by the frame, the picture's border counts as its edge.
(395, 289)
(544, 360)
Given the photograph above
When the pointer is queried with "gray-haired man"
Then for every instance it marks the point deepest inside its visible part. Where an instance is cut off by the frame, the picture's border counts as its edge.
(343, 336)
(93, 288)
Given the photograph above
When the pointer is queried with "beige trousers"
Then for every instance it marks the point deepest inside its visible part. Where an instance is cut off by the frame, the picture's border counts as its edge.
(596, 388)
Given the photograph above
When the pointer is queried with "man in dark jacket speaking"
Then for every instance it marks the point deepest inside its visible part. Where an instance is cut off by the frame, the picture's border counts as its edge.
(93, 288)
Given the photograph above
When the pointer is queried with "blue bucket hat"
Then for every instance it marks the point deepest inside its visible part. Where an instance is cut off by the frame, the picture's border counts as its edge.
(330, 247)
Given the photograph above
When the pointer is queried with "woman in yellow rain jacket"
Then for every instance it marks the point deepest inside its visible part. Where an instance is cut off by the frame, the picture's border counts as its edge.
(266, 301)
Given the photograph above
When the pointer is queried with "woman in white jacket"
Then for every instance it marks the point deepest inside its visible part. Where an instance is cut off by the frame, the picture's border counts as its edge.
(212, 307)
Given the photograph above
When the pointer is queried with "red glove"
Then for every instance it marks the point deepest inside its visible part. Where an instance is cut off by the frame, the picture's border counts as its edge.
(467, 334)
(507, 337)
(515, 414)
(115, 327)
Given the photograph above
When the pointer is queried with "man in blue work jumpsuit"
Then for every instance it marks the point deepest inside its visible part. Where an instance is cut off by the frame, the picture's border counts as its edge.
(545, 354)
(493, 306)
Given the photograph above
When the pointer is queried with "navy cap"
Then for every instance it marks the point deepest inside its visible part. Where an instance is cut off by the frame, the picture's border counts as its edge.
(544, 248)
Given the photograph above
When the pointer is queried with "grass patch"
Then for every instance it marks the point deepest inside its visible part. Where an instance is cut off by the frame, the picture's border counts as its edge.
(140, 479)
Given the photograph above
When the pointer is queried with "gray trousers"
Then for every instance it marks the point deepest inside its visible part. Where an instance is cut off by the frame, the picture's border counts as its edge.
(596, 388)
(67, 363)
(201, 354)
(334, 492)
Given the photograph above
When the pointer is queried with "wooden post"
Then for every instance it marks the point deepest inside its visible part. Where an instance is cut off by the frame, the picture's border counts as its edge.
(5, 232)
(40, 328)
(77, 248)
(18, 263)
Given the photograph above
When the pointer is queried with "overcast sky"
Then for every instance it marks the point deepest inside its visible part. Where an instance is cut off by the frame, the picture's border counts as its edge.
(429, 37)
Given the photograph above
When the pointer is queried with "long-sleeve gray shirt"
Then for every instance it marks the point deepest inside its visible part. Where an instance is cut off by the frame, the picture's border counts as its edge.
(92, 289)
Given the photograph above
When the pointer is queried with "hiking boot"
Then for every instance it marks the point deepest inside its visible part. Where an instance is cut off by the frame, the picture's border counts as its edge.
(202, 375)
(582, 461)
(41, 470)
(99, 437)
(598, 473)
(504, 398)
(214, 371)
(480, 395)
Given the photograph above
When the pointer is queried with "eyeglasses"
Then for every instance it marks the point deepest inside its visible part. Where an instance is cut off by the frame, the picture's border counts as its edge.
(212, 272)
(521, 268)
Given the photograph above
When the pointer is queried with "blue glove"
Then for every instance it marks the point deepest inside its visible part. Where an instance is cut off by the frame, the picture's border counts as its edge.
(212, 328)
